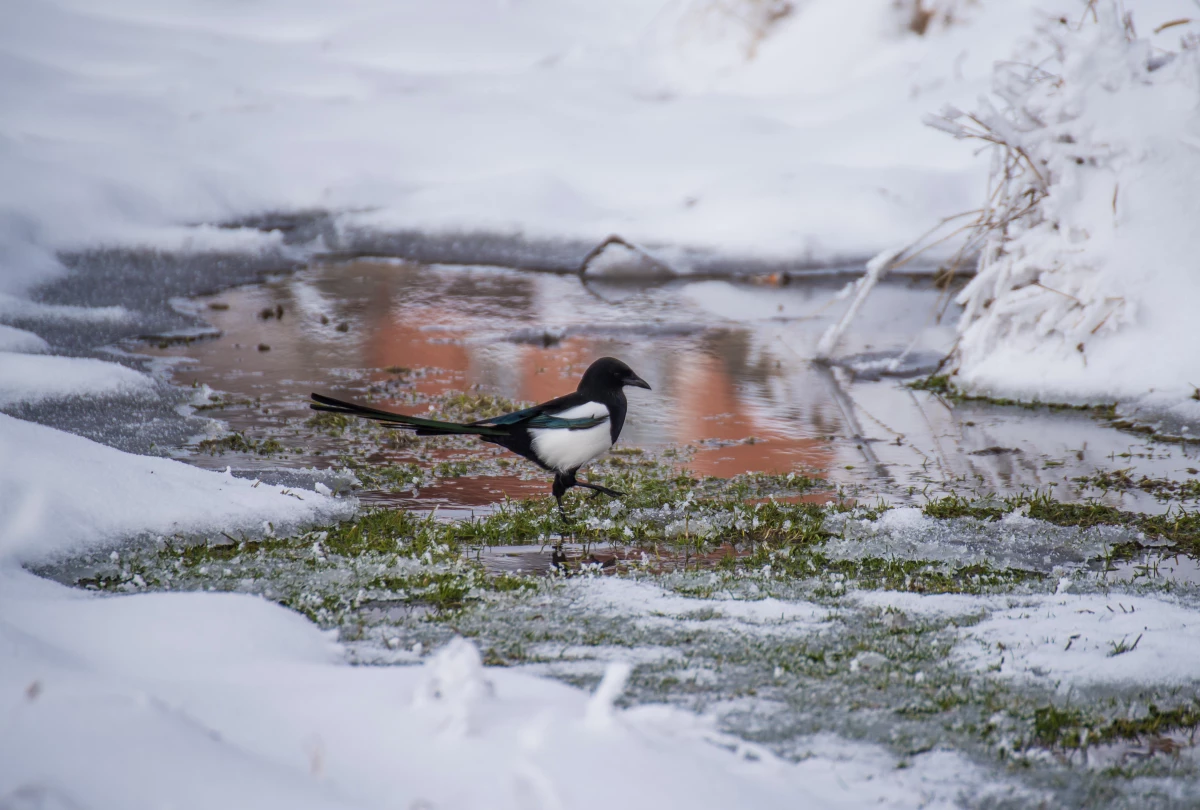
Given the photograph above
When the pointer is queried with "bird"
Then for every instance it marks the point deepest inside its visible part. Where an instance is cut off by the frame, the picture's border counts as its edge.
(560, 436)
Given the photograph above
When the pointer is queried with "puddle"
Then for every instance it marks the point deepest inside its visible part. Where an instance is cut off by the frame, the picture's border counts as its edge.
(735, 386)
(601, 558)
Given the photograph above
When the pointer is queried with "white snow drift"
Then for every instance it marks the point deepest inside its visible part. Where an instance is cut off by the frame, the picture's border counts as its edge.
(786, 130)
(1088, 279)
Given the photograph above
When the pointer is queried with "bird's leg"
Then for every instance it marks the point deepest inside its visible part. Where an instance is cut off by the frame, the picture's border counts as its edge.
(612, 493)
(562, 482)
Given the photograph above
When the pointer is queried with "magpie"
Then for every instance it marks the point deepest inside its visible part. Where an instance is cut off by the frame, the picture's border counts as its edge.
(560, 436)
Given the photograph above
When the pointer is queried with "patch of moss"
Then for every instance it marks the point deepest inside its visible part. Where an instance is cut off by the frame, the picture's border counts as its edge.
(453, 469)
(806, 561)
(1164, 489)
(238, 443)
(386, 556)
(465, 406)
(334, 423)
(937, 383)
(386, 476)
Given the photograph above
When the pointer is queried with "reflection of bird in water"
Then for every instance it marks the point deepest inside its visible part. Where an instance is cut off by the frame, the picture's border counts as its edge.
(559, 436)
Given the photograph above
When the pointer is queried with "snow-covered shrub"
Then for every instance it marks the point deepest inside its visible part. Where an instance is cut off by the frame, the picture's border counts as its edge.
(1089, 238)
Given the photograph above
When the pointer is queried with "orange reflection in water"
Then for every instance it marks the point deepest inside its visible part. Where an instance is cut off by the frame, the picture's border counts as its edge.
(706, 395)
(703, 392)
(716, 410)
(403, 342)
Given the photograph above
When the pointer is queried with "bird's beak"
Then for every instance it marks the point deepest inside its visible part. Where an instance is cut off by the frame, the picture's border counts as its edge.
(637, 382)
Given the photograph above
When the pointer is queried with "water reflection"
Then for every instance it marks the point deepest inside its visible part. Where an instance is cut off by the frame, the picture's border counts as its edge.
(730, 363)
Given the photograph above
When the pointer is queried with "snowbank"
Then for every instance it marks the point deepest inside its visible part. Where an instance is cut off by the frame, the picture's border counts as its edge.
(785, 130)
(18, 340)
(219, 700)
(33, 378)
(791, 132)
(1087, 282)
(60, 493)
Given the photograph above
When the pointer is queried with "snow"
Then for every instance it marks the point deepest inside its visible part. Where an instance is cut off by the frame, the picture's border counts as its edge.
(647, 601)
(61, 493)
(128, 121)
(1078, 640)
(1013, 541)
(26, 378)
(941, 605)
(1065, 639)
(12, 306)
(206, 700)
(18, 340)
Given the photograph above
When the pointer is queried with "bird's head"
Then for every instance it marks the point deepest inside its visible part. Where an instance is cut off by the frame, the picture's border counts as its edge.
(609, 373)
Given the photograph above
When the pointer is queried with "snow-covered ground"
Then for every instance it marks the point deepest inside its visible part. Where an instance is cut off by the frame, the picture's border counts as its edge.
(202, 701)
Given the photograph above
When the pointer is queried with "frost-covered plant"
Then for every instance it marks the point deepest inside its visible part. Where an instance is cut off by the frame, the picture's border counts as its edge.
(1086, 134)
(743, 24)
(923, 16)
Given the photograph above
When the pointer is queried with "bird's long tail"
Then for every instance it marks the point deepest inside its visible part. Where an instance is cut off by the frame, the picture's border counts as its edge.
(422, 427)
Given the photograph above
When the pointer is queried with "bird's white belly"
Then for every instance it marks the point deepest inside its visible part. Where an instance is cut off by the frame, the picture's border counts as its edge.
(563, 449)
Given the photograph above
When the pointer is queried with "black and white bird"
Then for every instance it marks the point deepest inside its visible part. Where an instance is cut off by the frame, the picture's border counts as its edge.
(560, 436)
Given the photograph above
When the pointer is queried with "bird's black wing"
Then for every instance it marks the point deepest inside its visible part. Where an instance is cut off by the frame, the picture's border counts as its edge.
(543, 416)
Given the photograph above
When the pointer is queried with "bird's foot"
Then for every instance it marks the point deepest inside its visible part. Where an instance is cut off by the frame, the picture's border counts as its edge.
(599, 490)
(557, 558)
(562, 512)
